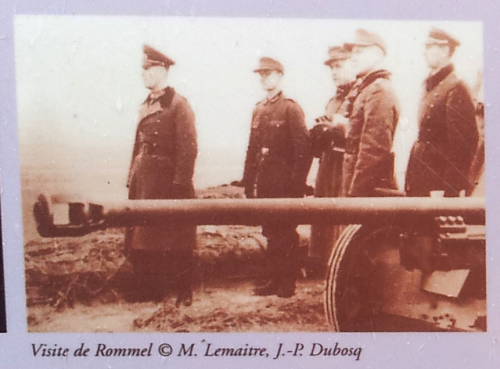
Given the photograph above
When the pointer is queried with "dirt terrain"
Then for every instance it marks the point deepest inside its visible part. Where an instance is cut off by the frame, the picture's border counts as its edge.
(81, 285)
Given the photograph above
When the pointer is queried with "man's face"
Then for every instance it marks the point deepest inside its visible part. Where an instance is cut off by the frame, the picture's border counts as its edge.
(342, 72)
(154, 76)
(436, 55)
(364, 58)
(270, 79)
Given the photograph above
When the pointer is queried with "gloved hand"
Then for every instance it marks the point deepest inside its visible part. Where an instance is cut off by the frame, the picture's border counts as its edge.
(321, 138)
(309, 190)
(249, 192)
(239, 183)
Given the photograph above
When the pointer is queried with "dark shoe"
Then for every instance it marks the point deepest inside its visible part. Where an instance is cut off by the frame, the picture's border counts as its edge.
(184, 298)
(270, 288)
(286, 288)
(286, 292)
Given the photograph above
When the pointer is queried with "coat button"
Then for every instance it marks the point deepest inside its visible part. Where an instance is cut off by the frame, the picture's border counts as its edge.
(156, 133)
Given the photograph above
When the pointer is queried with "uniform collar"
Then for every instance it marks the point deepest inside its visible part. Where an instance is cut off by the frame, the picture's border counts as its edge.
(274, 98)
(343, 90)
(157, 95)
(374, 74)
(433, 80)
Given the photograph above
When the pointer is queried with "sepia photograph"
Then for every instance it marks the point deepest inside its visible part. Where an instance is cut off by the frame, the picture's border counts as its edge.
(205, 174)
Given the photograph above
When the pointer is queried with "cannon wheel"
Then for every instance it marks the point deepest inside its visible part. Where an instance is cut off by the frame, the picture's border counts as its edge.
(368, 290)
(363, 269)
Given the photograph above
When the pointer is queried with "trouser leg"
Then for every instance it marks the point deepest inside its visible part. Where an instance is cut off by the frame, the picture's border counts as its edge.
(282, 260)
(271, 285)
(183, 278)
(289, 263)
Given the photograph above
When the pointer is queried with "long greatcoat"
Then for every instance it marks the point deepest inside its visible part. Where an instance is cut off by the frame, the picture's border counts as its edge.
(329, 179)
(374, 114)
(164, 155)
(448, 135)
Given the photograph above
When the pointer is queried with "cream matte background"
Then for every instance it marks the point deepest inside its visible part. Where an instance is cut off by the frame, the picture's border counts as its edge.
(79, 86)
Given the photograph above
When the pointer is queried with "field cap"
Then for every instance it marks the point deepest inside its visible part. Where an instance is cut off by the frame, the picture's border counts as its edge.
(267, 63)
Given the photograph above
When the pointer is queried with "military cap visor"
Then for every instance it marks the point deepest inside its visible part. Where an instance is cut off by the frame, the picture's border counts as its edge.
(440, 37)
(153, 57)
(269, 64)
(337, 54)
(364, 39)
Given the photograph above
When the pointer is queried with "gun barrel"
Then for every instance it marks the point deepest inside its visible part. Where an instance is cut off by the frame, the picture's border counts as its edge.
(299, 211)
(83, 219)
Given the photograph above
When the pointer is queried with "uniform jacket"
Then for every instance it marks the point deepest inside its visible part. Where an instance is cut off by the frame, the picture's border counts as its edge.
(165, 147)
(164, 155)
(278, 156)
(447, 139)
(374, 113)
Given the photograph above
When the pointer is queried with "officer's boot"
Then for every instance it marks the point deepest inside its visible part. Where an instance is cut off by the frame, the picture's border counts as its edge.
(288, 267)
(184, 278)
(270, 287)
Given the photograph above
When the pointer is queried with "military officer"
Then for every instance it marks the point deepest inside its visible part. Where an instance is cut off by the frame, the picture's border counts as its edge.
(162, 167)
(277, 162)
(373, 111)
(441, 157)
(328, 143)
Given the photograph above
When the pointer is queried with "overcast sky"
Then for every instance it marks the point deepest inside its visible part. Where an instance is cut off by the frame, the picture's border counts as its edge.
(79, 83)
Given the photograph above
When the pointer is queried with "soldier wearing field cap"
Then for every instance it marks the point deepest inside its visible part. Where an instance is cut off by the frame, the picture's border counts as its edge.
(328, 143)
(276, 165)
(162, 167)
(441, 157)
(373, 111)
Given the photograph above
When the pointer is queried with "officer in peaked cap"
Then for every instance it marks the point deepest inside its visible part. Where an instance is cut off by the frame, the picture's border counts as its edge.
(162, 167)
(373, 112)
(328, 144)
(442, 156)
(276, 165)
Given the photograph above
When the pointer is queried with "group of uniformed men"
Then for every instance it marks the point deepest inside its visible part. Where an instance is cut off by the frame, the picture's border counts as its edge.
(353, 140)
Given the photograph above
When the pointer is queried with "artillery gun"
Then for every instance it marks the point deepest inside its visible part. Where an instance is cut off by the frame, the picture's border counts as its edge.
(401, 263)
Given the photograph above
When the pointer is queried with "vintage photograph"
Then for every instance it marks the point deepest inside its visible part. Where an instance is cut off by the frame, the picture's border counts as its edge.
(189, 174)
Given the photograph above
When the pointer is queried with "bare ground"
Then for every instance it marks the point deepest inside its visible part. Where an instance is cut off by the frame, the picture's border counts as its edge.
(225, 308)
